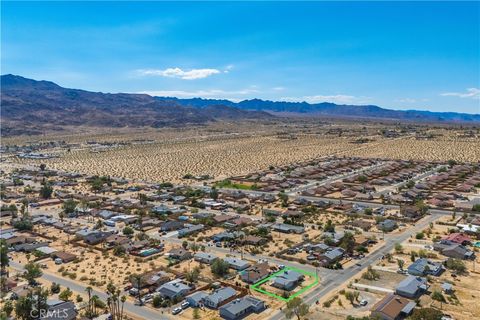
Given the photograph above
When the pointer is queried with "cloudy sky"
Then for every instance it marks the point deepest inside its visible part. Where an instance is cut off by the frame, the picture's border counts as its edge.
(393, 54)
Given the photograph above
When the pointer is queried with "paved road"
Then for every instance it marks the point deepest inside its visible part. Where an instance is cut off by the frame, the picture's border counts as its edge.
(141, 312)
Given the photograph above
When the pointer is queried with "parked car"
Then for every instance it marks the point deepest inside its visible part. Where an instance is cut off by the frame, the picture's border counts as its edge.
(363, 302)
(185, 305)
(177, 310)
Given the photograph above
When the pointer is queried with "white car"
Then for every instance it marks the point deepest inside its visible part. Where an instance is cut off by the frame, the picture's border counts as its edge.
(363, 302)
(176, 310)
(185, 305)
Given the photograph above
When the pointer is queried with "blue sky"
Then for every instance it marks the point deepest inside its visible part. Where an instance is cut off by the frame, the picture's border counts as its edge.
(394, 54)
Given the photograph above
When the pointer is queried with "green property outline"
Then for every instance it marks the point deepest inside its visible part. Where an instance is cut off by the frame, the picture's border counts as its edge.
(255, 286)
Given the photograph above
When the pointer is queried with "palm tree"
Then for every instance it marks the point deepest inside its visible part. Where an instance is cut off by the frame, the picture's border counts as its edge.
(90, 309)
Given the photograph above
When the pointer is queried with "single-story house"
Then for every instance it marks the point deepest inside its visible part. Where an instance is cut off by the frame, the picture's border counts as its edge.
(412, 287)
(196, 299)
(387, 225)
(218, 296)
(255, 273)
(423, 267)
(179, 254)
(287, 228)
(204, 257)
(458, 238)
(453, 250)
(173, 289)
(189, 229)
(240, 308)
(392, 307)
(237, 264)
(65, 310)
(66, 257)
(288, 280)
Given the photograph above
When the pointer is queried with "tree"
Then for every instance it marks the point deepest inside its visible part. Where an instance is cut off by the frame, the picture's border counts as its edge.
(89, 312)
(8, 308)
(55, 288)
(119, 250)
(214, 193)
(113, 302)
(137, 282)
(400, 263)
(193, 275)
(26, 307)
(456, 264)
(65, 295)
(185, 244)
(46, 190)
(350, 297)
(438, 296)
(4, 259)
(398, 248)
(219, 267)
(128, 231)
(296, 307)
(348, 242)
(196, 313)
(32, 272)
(426, 314)
(329, 226)
(141, 213)
(69, 206)
(157, 301)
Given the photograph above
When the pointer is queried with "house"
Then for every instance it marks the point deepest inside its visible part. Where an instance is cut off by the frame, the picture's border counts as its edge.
(179, 254)
(392, 307)
(411, 212)
(116, 240)
(423, 267)
(453, 250)
(65, 310)
(223, 218)
(237, 264)
(255, 273)
(154, 278)
(173, 289)
(288, 280)
(204, 257)
(254, 240)
(65, 257)
(334, 237)
(227, 236)
(458, 238)
(218, 296)
(107, 214)
(331, 255)
(387, 225)
(171, 225)
(96, 237)
(287, 228)
(240, 308)
(412, 287)
(30, 247)
(196, 299)
(362, 224)
(189, 229)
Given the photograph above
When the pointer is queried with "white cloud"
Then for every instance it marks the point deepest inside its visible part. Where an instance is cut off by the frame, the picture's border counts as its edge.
(278, 88)
(339, 99)
(211, 93)
(192, 74)
(406, 100)
(473, 93)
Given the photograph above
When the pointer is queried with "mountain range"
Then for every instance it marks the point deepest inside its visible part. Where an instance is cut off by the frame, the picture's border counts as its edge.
(31, 104)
